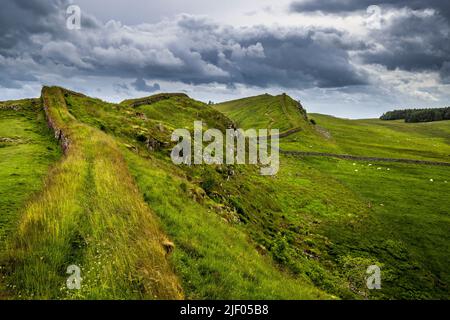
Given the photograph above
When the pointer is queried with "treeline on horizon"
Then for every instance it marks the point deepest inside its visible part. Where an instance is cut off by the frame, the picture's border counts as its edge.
(418, 115)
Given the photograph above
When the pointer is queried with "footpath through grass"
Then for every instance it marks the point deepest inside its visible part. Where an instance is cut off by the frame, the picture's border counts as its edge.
(89, 214)
(214, 257)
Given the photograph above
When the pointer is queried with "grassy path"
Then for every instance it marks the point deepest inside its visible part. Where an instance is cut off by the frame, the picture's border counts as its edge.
(214, 257)
(89, 214)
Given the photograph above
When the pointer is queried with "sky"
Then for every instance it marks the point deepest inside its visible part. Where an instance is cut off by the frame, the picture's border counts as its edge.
(348, 58)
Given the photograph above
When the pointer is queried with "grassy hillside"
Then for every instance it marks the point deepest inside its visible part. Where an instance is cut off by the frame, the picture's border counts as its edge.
(372, 137)
(177, 111)
(27, 149)
(410, 199)
(214, 256)
(89, 214)
(296, 231)
(265, 112)
(309, 232)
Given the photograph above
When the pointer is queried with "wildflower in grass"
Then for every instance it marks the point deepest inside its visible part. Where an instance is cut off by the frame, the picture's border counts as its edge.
(431, 180)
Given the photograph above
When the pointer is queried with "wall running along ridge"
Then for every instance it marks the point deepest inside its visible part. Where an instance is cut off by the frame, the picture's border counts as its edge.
(58, 132)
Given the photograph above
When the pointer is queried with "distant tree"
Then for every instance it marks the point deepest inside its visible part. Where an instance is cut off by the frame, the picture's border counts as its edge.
(447, 114)
(418, 115)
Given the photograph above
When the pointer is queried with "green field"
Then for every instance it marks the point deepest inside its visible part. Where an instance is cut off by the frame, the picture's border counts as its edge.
(27, 149)
(372, 137)
(310, 232)
(265, 112)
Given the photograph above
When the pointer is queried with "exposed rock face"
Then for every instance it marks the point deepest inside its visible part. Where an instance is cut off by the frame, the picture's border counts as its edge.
(73, 93)
(153, 144)
(59, 133)
(141, 115)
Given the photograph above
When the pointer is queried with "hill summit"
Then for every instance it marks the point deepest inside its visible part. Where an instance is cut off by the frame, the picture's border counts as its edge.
(266, 111)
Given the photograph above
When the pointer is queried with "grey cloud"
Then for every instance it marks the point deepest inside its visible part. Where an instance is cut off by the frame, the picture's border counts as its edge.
(141, 85)
(194, 50)
(14, 72)
(412, 42)
(299, 59)
(21, 19)
(187, 49)
(445, 72)
(342, 6)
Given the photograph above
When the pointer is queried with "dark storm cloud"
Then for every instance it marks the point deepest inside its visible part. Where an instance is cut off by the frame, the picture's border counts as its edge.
(141, 85)
(20, 19)
(188, 49)
(445, 73)
(205, 52)
(317, 57)
(412, 42)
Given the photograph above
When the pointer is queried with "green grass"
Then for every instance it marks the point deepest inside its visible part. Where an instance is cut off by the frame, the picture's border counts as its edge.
(214, 256)
(90, 214)
(242, 198)
(406, 229)
(27, 149)
(265, 112)
(378, 138)
(308, 233)
(181, 112)
(345, 205)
